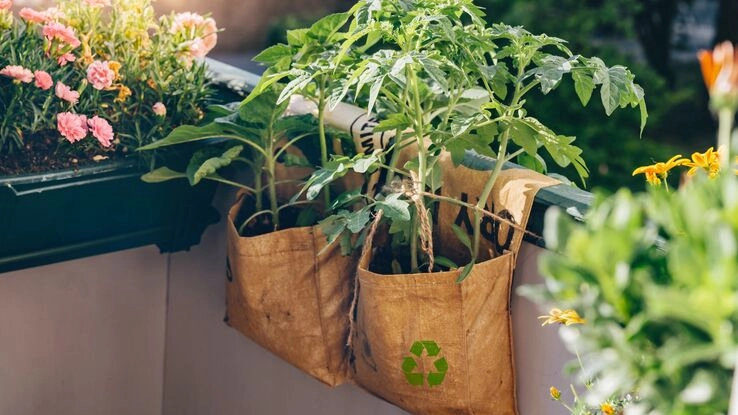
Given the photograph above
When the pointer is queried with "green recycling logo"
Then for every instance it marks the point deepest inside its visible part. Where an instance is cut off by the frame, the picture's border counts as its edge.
(410, 364)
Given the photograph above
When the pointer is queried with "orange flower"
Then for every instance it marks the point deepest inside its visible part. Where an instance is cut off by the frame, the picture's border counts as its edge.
(607, 409)
(709, 161)
(720, 72)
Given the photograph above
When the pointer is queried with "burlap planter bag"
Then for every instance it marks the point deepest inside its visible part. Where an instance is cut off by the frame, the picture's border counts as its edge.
(290, 300)
(430, 345)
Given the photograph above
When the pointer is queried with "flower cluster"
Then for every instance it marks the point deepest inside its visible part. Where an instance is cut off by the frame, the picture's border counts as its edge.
(102, 68)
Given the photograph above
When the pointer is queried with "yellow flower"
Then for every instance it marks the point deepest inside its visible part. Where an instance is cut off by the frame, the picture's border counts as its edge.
(555, 393)
(566, 317)
(123, 93)
(656, 172)
(607, 409)
(709, 161)
(115, 67)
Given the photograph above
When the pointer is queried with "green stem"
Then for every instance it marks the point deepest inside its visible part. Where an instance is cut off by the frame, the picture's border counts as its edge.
(725, 129)
(501, 158)
(272, 186)
(323, 140)
(258, 184)
(486, 192)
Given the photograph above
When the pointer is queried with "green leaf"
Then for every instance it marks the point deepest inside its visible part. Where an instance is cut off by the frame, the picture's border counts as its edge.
(462, 236)
(162, 174)
(535, 162)
(299, 83)
(203, 163)
(363, 164)
(190, 133)
(273, 54)
(307, 217)
(326, 27)
(583, 85)
(551, 71)
(393, 122)
(297, 37)
(445, 262)
(465, 272)
(357, 221)
(294, 160)
(524, 134)
(394, 208)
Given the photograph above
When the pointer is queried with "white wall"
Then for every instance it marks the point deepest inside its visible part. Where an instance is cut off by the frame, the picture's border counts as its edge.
(84, 337)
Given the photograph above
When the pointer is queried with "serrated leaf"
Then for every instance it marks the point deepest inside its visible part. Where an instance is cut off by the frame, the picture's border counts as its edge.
(273, 54)
(365, 163)
(324, 28)
(297, 84)
(358, 220)
(394, 208)
(583, 85)
(297, 37)
(393, 122)
(295, 160)
(524, 134)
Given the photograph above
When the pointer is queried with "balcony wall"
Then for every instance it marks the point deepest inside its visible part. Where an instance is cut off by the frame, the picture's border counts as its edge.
(136, 332)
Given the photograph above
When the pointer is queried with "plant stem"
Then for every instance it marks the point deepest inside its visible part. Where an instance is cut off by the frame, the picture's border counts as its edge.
(501, 158)
(323, 139)
(422, 155)
(258, 185)
(485, 193)
(725, 129)
(271, 165)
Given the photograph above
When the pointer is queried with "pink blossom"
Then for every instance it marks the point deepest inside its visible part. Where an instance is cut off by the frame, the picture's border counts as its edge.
(43, 80)
(17, 72)
(71, 126)
(102, 130)
(6, 4)
(210, 34)
(64, 92)
(186, 20)
(98, 3)
(53, 13)
(196, 47)
(100, 75)
(65, 34)
(32, 16)
(64, 58)
(159, 109)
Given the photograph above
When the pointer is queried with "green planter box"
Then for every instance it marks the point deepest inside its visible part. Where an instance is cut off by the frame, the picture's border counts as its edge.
(48, 218)
(53, 217)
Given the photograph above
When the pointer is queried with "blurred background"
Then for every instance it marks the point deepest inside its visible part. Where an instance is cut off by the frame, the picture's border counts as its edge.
(657, 39)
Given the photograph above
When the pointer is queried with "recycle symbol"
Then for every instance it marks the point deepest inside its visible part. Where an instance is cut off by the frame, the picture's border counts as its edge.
(409, 364)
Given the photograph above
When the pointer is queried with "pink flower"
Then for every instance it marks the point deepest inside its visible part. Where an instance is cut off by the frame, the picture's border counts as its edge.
(17, 72)
(32, 16)
(6, 4)
(66, 93)
(43, 80)
(186, 20)
(210, 34)
(159, 109)
(102, 130)
(98, 3)
(63, 33)
(100, 75)
(71, 126)
(67, 57)
(196, 47)
(53, 13)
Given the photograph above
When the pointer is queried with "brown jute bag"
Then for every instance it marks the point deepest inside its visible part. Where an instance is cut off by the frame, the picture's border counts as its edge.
(290, 300)
(454, 338)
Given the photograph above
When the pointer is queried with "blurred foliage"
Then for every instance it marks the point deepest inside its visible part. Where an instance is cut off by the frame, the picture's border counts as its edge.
(654, 276)
(678, 122)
